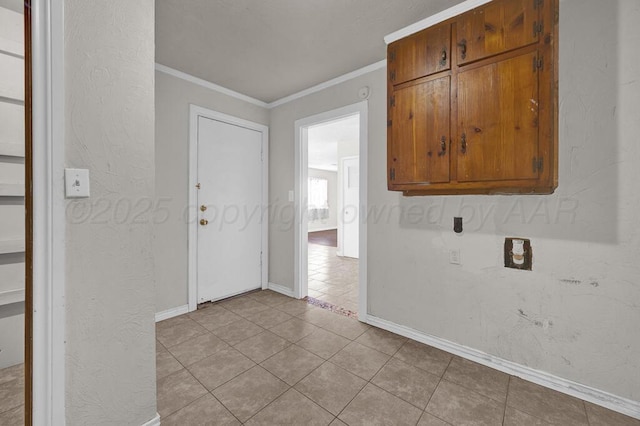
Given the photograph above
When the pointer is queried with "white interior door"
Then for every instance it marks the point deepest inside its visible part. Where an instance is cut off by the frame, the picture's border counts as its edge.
(229, 237)
(350, 209)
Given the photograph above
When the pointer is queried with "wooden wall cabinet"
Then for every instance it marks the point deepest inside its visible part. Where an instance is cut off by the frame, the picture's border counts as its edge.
(480, 120)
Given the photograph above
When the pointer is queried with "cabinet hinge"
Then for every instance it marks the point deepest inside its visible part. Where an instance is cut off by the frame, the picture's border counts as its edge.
(392, 174)
(389, 123)
(538, 3)
(538, 63)
(538, 28)
(538, 164)
(392, 101)
(392, 56)
(392, 77)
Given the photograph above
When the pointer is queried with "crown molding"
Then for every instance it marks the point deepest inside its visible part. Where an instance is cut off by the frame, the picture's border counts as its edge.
(334, 81)
(209, 85)
(212, 86)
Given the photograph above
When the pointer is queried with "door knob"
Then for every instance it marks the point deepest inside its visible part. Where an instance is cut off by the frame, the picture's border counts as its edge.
(204, 222)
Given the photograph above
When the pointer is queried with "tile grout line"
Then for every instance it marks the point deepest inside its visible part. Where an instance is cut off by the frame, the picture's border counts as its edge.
(506, 400)
(270, 402)
(398, 359)
(470, 389)
(369, 381)
(438, 385)
(185, 368)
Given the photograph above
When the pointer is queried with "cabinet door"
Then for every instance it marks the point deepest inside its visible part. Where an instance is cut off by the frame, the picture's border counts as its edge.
(421, 54)
(498, 121)
(498, 27)
(420, 133)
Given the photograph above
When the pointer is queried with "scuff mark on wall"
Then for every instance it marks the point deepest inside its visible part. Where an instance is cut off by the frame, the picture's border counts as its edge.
(545, 324)
(572, 281)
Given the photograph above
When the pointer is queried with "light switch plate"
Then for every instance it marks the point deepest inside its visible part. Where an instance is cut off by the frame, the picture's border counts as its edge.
(76, 183)
(454, 257)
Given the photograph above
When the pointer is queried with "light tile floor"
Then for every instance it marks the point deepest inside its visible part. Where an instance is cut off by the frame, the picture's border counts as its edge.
(333, 279)
(12, 396)
(266, 359)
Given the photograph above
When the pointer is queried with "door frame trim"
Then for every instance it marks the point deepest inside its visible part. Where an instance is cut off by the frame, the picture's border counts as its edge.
(196, 111)
(48, 374)
(301, 148)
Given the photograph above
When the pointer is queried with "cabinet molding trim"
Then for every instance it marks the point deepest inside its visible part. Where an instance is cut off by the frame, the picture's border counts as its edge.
(596, 396)
(434, 19)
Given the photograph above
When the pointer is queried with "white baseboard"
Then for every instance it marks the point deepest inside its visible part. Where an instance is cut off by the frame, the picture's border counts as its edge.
(153, 422)
(281, 289)
(330, 228)
(595, 396)
(173, 312)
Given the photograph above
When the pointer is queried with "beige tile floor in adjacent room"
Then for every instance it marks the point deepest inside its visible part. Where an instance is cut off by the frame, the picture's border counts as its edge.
(12, 396)
(332, 278)
(266, 359)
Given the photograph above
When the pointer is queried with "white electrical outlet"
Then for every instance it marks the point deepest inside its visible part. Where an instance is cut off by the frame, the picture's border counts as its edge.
(454, 257)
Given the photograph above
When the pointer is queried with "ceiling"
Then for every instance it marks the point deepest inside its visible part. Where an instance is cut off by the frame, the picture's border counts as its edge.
(15, 5)
(324, 139)
(269, 49)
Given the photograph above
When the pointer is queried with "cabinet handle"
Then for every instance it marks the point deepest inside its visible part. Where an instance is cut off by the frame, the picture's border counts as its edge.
(463, 143)
(463, 48)
(443, 57)
(443, 146)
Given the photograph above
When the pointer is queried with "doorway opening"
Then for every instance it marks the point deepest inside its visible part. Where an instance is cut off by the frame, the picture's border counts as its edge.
(331, 194)
(332, 210)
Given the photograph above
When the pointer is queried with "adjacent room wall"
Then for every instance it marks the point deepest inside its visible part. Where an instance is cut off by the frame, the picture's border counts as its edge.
(332, 221)
(173, 96)
(109, 114)
(576, 314)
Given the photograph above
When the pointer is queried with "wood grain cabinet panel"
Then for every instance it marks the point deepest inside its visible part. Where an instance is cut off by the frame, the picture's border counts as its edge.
(498, 27)
(424, 53)
(498, 121)
(486, 121)
(420, 148)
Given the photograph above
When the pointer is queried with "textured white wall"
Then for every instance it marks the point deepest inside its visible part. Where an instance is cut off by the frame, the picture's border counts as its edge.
(576, 314)
(173, 97)
(110, 342)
